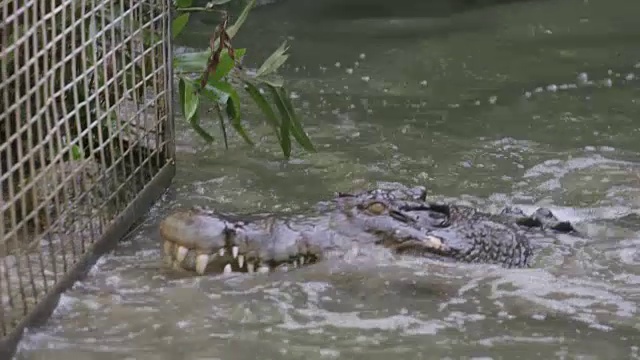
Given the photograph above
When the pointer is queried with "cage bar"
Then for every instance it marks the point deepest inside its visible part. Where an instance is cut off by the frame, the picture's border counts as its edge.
(86, 141)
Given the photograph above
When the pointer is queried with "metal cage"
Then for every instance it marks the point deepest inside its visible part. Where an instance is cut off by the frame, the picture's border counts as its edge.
(86, 141)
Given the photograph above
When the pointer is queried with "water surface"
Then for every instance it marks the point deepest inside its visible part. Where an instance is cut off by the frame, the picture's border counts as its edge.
(530, 103)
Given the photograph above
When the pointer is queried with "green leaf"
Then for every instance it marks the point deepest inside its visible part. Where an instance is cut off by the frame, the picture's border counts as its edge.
(77, 153)
(233, 111)
(191, 62)
(296, 126)
(216, 94)
(223, 128)
(197, 62)
(264, 106)
(223, 93)
(195, 125)
(184, 3)
(285, 139)
(274, 61)
(273, 81)
(178, 24)
(181, 91)
(285, 107)
(189, 99)
(233, 29)
(226, 64)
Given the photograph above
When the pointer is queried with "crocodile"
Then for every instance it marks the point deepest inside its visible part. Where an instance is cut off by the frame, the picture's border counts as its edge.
(399, 218)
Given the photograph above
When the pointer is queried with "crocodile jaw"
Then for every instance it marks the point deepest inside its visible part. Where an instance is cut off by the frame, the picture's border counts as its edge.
(224, 260)
(196, 241)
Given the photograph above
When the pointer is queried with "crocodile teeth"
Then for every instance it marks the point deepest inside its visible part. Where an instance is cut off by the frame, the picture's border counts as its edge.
(227, 269)
(202, 261)
(251, 268)
(234, 251)
(221, 252)
(181, 253)
(434, 242)
(240, 261)
(263, 269)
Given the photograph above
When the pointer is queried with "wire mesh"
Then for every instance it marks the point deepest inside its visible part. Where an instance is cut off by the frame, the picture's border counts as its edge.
(85, 126)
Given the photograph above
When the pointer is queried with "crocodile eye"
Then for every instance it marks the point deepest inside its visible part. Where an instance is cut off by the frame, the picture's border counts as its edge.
(377, 208)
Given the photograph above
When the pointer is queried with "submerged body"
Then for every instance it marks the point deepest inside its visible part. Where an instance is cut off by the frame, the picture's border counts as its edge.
(397, 218)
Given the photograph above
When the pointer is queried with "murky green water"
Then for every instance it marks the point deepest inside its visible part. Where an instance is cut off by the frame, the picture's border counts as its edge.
(530, 103)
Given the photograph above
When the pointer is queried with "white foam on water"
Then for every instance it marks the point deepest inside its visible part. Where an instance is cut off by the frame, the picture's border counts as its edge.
(589, 301)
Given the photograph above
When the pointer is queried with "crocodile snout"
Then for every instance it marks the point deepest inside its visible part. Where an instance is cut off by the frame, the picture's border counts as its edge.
(200, 242)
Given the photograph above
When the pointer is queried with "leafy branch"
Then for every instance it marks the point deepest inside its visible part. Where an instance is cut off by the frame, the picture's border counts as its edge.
(221, 76)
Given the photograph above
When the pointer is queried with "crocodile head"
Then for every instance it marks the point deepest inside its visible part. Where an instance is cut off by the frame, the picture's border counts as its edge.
(203, 241)
(451, 233)
(400, 219)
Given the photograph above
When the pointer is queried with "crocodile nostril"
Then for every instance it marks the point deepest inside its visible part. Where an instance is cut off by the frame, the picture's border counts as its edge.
(400, 216)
